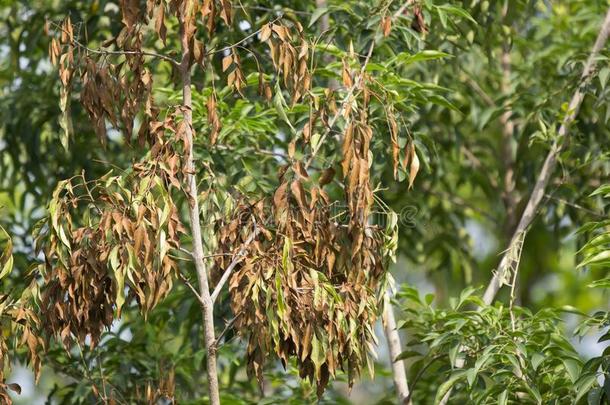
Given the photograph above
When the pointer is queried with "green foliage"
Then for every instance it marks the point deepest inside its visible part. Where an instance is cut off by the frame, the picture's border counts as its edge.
(596, 251)
(507, 355)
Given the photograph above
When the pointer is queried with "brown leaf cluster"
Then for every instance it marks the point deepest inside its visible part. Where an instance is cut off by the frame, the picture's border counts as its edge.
(18, 318)
(411, 160)
(419, 23)
(162, 391)
(119, 254)
(117, 93)
(290, 52)
(308, 287)
(116, 84)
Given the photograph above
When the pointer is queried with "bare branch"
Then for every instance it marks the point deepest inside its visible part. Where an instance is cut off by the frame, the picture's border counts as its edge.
(78, 44)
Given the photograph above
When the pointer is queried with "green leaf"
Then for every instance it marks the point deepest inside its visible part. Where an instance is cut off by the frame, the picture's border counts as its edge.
(603, 283)
(286, 262)
(406, 58)
(443, 102)
(484, 358)
(583, 385)
(6, 259)
(318, 355)
(280, 106)
(603, 189)
(537, 359)
(442, 16)
(534, 393)
(573, 368)
(64, 238)
(407, 355)
(281, 308)
(603, 76)
(317, 14)
(460, 12)
(471, 375)
(453, 352)
(503, 398)
(599, 259)
(7, 267)
(447, 385)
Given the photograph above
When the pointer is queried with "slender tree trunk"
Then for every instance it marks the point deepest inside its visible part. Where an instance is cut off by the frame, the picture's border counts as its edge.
(202, 277)
(508, 154)
(324, 21)
(509, 195)
(324, 25)
(395, 348)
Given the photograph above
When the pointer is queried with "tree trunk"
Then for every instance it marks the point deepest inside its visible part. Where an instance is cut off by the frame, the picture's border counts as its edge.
(202, 277)
(395, 348)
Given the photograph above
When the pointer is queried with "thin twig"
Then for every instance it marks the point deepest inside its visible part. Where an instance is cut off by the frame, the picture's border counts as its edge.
(421, 372)
(478, 89)
(190, 286)
(185, 251)
(574, 205)
(275, 10)
(513, 285)
(225, 330)
(402, 9)
(107, 52)
(241, 41)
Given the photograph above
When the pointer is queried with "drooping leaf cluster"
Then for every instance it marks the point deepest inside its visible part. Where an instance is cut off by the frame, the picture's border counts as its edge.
(310, 284)
(101, 237)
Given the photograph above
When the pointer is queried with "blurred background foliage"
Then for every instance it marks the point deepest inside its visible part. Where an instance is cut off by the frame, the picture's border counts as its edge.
(455, 99)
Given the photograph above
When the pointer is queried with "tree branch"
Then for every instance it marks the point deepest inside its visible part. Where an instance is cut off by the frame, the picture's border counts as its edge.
(244, 39)
(508, 159)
